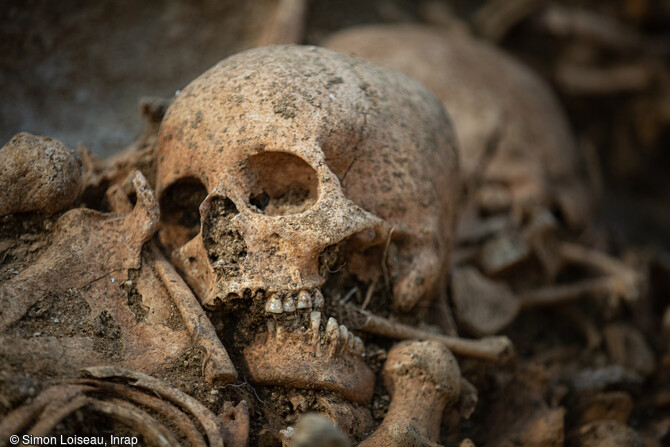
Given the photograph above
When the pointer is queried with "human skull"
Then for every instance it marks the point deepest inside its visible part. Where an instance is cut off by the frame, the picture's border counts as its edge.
(293, 154)
(536, 163)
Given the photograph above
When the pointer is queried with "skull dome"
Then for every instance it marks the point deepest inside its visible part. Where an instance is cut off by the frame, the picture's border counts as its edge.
(276, 155)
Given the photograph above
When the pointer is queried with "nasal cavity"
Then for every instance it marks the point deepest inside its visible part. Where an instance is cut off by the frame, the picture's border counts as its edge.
(280, 183)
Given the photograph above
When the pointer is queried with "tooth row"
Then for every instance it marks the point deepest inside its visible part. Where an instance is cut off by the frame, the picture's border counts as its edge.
(337, 336)
(275, 305)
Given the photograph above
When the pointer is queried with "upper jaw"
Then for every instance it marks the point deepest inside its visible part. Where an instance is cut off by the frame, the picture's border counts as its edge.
(292, 301)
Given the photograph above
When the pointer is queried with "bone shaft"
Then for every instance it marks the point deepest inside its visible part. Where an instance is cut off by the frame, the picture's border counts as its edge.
(555, 295)
(219, 367)
(425, 412)
(497, 349)
(583, 255)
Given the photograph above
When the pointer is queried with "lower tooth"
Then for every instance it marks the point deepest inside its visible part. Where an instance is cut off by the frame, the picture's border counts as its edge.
(332, 332)
(344, 334)
(281, 332)
(315, 322)
(274, 305)
(359, 347)
(272, 328)
(351, 342)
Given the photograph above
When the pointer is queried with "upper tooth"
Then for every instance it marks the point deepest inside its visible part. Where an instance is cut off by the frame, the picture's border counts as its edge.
(304, 300)
(318, 299)
(273, 305)
(289, 304)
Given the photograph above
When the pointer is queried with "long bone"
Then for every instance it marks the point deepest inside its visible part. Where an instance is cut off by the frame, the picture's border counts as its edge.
(497, 349)
(423, 379)
(218, 367)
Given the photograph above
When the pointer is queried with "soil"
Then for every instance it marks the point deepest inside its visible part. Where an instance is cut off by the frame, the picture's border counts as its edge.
(76, 72)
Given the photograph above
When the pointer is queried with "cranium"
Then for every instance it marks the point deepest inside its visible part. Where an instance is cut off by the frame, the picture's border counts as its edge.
(278, 159)
(535, 164)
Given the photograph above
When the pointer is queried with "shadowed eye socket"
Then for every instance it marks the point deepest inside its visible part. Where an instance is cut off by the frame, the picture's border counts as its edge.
(180, 211)
(280, 183)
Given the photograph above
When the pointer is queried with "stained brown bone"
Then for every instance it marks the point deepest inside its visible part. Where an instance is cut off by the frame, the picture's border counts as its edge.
(128, 403)
(274, 358)
(498, 349)
(78, 258)
(481, 87)
(423, 379)
(90, 258)
(208, 420)
(345, 119)
(38, 174)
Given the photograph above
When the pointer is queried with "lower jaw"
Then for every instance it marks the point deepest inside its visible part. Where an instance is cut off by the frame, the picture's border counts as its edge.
(310, 359)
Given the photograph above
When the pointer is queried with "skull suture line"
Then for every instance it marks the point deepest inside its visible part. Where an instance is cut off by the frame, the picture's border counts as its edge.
(293, 154)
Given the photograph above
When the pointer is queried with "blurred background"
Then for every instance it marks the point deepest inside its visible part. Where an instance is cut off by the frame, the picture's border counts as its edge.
(75, 70)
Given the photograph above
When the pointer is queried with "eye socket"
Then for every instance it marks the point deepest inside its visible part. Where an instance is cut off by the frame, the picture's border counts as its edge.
(280, 184)
(180, 213)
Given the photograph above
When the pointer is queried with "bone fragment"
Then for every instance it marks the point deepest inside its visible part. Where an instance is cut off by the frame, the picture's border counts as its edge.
(496, 349)
(18, 419)
(38, 174)
(423, 379)
(219, 368)
(313, 429)
(172, 414)
(55, 412)
(201, 413)
(153, 432)
(482, 305)
(235, 422)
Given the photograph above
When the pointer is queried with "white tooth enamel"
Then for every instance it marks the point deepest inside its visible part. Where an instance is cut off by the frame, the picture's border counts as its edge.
(304, 300)
(315, 322)
(359, 347)
(350, 342)
(344, 334)
(273, 305)
(332, 333)
(318, 299)
(289, 304)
